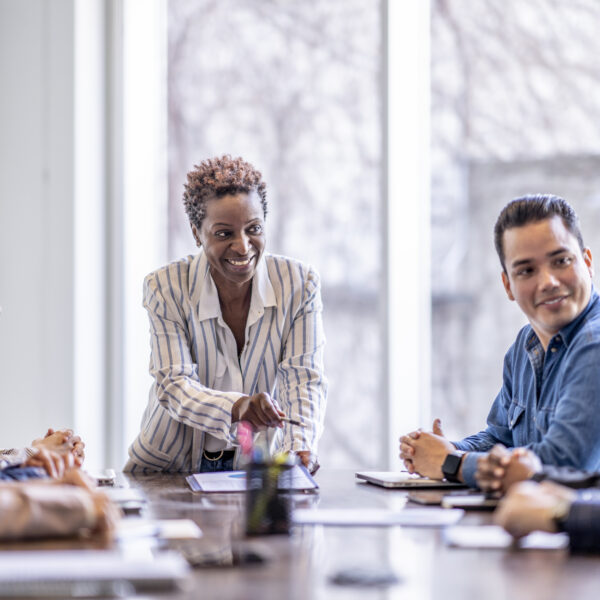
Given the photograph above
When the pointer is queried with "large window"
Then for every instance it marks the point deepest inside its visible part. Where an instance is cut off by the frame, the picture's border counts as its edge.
(296, 89)
(515, 109)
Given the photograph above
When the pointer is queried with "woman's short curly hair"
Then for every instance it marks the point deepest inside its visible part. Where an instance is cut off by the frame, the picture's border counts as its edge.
(218, 177)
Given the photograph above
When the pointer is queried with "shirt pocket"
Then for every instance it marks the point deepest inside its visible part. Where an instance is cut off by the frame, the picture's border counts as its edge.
(543, 419)
(516, 424)
(515, 415)
(219, 373)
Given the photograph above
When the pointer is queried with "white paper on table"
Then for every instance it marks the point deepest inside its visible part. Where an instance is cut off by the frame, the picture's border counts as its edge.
(493, 536)
(166, 529)
(219, 481)
(124, 495)
(413, 517)
(81, 565)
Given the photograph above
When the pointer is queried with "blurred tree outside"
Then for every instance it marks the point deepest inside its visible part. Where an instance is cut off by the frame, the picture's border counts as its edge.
(296, 89)
(515, 110)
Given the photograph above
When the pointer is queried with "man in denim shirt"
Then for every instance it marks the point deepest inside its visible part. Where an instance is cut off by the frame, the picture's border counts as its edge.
(550, 397)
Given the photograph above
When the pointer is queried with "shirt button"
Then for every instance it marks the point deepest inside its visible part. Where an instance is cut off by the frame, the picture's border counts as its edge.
(553, 349)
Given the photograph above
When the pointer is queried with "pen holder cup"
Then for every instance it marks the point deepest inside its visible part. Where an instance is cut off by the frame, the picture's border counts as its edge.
(267, 510)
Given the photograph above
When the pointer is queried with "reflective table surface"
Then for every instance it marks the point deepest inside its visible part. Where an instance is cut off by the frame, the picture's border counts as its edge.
(349, 562)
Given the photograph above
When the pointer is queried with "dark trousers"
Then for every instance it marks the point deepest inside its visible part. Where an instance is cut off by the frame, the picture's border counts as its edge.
(221, 464)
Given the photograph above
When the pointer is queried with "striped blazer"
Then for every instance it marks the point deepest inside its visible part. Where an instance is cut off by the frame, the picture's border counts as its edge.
(190, 347)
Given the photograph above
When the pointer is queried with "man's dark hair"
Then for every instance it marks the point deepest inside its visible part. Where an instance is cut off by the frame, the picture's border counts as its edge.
(531, 209)
(218, 177)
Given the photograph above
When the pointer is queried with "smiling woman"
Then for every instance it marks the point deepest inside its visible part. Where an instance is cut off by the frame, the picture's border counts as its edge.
(236, 335)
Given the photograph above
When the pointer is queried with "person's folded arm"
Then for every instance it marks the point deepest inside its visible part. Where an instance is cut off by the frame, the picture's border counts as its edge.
(583, 522)
(178, 386)
(573, 436)
(44, 510)
(301, 383)
(497, 431)
(568, 476)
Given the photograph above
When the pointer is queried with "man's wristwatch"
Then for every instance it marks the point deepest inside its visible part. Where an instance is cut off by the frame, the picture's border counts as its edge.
(451, 466)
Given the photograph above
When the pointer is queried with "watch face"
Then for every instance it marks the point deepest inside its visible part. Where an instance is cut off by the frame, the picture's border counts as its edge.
(451, 465)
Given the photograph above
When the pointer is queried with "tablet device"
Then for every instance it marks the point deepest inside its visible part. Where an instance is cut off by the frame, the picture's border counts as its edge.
(297, 479)
(404, 480)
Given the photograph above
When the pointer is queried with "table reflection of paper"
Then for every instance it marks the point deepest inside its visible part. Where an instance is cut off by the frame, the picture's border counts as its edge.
(492, 536)
(414, 517)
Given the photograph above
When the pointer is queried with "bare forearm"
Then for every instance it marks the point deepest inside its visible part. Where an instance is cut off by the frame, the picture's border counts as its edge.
(41, 511)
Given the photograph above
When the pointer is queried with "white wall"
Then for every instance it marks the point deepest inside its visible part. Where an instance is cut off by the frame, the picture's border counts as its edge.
(36, 218)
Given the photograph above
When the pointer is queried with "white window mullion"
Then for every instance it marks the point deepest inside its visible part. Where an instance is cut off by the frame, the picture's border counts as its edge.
(408, 220)
(89, 363)
(144, 189)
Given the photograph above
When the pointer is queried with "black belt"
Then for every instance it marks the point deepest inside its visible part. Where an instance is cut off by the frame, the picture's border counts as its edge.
(221, 454)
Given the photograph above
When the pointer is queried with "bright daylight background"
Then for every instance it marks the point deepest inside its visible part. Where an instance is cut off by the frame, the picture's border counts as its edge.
(297, 91)
(390, 134)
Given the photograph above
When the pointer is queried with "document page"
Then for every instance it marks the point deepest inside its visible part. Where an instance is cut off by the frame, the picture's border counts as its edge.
(492, 536)
(413, 517)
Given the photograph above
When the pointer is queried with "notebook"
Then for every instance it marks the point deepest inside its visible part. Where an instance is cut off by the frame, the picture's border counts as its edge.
(403, 479)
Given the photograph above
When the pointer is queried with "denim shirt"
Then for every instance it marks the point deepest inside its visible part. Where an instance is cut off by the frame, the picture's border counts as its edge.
(549, 402)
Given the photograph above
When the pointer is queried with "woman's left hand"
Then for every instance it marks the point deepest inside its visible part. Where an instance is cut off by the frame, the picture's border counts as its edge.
(309, 460)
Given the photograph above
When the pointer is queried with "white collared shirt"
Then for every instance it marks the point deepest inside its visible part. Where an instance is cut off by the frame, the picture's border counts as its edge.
(194, 361)
(231, 377)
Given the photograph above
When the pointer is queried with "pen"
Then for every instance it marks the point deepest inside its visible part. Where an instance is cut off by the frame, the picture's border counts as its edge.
(291, 421)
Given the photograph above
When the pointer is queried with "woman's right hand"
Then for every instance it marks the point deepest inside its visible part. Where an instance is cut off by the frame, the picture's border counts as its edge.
(260, 410)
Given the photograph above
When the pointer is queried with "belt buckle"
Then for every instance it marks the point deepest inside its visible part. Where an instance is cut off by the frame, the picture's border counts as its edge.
(213, 459)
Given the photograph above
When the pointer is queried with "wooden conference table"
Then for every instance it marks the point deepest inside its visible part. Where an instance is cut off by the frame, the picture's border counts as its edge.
(301, 566)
